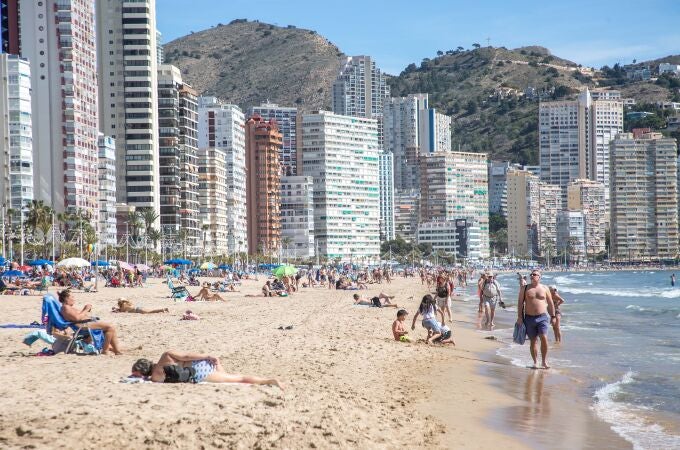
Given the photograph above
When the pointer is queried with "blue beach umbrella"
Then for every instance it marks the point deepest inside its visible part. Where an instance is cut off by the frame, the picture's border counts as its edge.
(194, 270)
(100, 263)
(40, 262)
(13, 273)
(225, 266)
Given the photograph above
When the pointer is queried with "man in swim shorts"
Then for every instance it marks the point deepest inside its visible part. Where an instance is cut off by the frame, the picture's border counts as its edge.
(533, 305)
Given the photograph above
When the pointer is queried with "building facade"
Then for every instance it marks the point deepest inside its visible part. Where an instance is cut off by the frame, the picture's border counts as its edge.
(286, 119)
(434, 131)
(454, 185)
(407, 214)
(16, 134)
(588, 197)
(360, 90)
(297, 216)
(107, 190)
(458, 238)
(571, 235)
(128, 71)
(9, 26)
(58, 38)
(263, 193)
(386, 166)
(644, 198)
(213, 197)
(341, 154)
(222, 126)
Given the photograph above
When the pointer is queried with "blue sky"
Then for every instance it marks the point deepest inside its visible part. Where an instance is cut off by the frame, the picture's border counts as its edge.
(399, 32)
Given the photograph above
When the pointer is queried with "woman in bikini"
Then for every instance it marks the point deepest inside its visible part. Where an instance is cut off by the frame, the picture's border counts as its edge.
(208, 368)
(557, 300)
(126, 306)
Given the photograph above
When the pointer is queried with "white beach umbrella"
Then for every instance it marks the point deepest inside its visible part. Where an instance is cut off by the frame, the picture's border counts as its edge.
(73, 262)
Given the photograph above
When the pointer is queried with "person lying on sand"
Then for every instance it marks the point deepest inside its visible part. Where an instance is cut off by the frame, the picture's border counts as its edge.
(375, 301)
(72, 314)
(126, 306)
(208, 368)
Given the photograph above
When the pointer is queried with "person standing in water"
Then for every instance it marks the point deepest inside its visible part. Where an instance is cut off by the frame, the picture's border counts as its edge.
(673, 280)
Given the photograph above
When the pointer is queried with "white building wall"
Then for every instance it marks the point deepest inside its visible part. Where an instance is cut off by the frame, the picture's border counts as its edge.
(387, 231)
(297, 216)
(107, 190)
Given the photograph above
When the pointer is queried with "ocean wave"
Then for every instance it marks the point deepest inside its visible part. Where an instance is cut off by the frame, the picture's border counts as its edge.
(627, 420)
(653, 311)
(648, 293)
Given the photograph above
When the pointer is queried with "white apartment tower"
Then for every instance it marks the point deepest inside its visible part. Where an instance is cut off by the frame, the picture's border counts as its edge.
(213, 196)
(127, 67)
(222, 126)
(360, 90)
(387, 232)
(341, 154)
(644, 197)
(58, 38)
(454, 185)
(297, 216)
(16, 134)
(434, 131)
(286, 119)
(571, 234)
(107, 190)
(588, 197)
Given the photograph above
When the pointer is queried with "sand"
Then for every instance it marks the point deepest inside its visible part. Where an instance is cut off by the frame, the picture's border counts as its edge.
(348, 384)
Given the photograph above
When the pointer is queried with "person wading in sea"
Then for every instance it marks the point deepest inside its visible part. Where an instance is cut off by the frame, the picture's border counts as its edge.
(533, 302)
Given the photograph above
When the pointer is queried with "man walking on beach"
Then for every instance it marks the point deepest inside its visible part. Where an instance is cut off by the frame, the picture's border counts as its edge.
(533, 302)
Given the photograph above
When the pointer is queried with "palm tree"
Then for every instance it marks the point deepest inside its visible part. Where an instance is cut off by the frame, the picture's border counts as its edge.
(286, 241)
(154, 235)
(39, 218)
(149, 216)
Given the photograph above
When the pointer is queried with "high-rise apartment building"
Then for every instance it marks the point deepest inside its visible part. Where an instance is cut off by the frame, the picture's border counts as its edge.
(386, 166)
(434, 131)
(574, 138)
(498, 196)
(127, 69)
(160, 55)
(571, 234)
(263, 193)
(644, 197)
(213, 196)
(286, 119)
(588, 197)
(178, 161)
(453, 186)
(107, 190)
(406, 214)
(58, 38)
(222, 126)
(532, 214)
(341, 154)
(297, 216)
(360, 90)
(16, 134)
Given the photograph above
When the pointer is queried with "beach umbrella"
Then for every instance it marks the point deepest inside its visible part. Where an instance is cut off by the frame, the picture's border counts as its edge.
(284, 271)
(175, 261)
(125, 266)
(13, 273)
(208, 266)
(40, 262)
(24, 268)
(186, 262)
(100, 263)
(3, 261)
(194, 270)
(225, 266)
(143, 267)
(73, 262)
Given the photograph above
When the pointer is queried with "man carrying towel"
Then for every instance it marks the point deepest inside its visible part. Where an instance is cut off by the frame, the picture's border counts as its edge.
(533, 305)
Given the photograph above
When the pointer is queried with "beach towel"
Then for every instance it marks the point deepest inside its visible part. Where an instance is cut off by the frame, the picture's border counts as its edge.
(519, 335)
(21, 325)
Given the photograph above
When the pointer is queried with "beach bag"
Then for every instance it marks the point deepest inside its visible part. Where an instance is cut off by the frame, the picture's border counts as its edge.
(442, 291)
(519, 335)
(178, 374)
(376, 302)
(490, 289)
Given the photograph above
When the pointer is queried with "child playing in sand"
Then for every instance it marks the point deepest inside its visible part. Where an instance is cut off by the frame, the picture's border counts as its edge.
(398, 329)
(446, 337)
(428, 309)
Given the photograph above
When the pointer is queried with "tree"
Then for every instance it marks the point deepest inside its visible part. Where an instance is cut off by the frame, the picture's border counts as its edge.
(149, 216)
(497, 222)
(440, 53)
(476, 45)
(459, 48)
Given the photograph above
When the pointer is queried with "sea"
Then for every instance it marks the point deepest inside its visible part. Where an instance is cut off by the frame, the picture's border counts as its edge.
(621, 341)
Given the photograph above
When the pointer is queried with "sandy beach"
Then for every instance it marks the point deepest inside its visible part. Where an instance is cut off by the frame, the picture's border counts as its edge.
(348, 384)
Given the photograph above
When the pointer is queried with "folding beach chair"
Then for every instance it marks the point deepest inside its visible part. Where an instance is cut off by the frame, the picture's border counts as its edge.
(179, 292)
(51, 310)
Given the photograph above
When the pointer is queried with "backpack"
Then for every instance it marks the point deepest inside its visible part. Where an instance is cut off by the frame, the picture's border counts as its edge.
(442, 291)
(490, 289)
(376, 302)
(178, 374)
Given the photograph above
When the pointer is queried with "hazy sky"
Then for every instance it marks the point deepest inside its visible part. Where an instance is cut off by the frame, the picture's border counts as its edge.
(399, 32)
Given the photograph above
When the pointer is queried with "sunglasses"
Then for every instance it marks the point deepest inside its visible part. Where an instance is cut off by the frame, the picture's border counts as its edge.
(535, 274)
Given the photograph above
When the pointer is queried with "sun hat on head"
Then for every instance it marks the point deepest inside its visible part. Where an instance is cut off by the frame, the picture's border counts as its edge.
(553, 287)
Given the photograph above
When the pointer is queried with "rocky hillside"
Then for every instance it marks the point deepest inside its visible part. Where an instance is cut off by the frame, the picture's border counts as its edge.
(249, 62)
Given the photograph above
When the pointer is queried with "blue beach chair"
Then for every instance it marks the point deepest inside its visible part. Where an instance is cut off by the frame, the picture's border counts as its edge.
(51, 309)
(179, 292)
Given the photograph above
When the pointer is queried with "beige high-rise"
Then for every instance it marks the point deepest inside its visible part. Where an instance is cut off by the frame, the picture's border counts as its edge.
(644, 199)
(588, 197)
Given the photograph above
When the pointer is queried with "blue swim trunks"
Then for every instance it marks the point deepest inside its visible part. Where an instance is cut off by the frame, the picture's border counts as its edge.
(536, 324)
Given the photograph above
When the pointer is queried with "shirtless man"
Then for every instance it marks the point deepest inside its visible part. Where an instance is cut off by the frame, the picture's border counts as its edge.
(532, 303)
(72, 314)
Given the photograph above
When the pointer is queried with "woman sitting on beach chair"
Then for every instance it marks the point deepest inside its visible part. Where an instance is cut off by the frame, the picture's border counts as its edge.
(205, 295)
(204, 368)
(126, 306)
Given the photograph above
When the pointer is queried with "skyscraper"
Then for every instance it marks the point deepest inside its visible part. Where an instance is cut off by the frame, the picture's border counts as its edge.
(107, 190)
(263, 193)
(58, 38)
(386, 197)
(454, 185)
(297, 216)
(341, 154)
(16, 133)
(644, 197)
(360, 90)
(127, 69)
(221, 126)
(213, 196)
(588, 197)
(434, 131)
(286, 119)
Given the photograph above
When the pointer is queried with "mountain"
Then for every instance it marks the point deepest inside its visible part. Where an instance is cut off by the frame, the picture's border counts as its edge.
(491, 93)
(249, 62)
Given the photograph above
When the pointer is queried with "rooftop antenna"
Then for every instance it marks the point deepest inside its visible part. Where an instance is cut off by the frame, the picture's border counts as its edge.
(488, 40)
